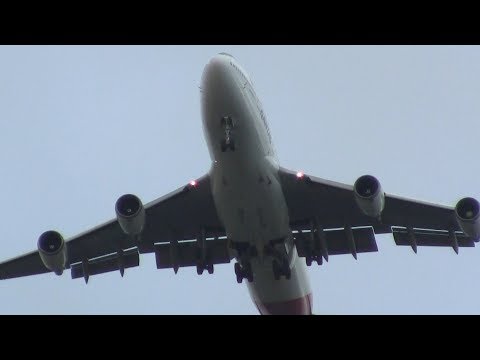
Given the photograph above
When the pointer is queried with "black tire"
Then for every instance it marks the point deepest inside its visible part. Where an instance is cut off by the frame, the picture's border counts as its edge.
(210, 268)
(238, 270)
(319, 260)
(248, 271)
(239, 279)
(200, 269)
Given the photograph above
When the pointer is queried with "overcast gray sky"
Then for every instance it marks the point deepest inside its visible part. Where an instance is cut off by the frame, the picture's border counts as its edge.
(82, 125)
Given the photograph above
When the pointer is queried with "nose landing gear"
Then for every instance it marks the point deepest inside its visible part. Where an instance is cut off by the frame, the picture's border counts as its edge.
(228, 142)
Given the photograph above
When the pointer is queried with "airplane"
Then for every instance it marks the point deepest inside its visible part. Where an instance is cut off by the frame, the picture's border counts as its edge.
(273, 222)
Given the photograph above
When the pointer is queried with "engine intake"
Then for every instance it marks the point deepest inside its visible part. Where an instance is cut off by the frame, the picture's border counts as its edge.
(52, 250)
(130, 214)
(369, 195)
(467, 212)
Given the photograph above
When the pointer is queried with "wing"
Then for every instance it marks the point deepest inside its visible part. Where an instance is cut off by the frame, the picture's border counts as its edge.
(173, 224)
(333, 206)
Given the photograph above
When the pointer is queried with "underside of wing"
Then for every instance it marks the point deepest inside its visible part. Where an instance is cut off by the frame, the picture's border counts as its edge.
(319, 207)
(182, 228)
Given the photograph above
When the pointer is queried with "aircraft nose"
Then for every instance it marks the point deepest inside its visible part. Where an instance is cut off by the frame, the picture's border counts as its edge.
(216, 73)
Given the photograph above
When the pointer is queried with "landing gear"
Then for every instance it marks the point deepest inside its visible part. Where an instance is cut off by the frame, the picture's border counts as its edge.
(280, 264)
(243, 272)
(227, 125)
(224, 146)
(202, 266)
(210, 268)
(281, 269)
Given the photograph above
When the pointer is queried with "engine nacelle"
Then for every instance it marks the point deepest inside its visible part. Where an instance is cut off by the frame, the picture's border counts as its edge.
(467, 212)
(52, 250)
(130, 214)
(369, 195)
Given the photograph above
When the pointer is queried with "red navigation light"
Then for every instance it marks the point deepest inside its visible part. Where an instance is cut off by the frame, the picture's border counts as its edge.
(300, 175)
(193, 183)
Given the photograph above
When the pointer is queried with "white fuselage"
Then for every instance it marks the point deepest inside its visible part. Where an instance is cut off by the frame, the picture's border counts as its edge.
(245, 185)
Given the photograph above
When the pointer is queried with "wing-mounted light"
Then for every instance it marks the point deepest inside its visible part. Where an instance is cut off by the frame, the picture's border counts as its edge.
(467, 212)
(300, 176)
(192, 184)
(52, 249)
(130, 214)
(369, 195)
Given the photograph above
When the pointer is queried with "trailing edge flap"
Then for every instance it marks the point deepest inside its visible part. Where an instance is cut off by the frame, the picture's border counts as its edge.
(108, 263)
(337, 241)
(187, 253)
(430, 238)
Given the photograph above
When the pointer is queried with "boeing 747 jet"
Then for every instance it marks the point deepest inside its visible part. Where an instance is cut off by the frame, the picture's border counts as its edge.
(271, 221)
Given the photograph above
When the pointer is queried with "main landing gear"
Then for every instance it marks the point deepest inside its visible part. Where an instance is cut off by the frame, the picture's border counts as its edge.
(281, 269)
(202, 267)
(243, 268)
(280, 264)
(244, 271)
(227, 125)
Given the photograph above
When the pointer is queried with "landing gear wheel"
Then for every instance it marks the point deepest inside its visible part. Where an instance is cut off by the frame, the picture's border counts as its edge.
(238, 269)
(210, 268)
(239, 272)
(279, 270)
(243, 272)
(247, 271)
(200, 269)
(319, 260)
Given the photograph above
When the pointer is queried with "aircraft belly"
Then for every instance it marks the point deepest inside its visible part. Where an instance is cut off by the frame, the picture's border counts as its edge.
(250, 202)
(246, 189)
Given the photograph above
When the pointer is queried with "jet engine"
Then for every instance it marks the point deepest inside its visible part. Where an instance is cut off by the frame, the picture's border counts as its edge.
(369, 195)
(52, 250)
(467, 212)
(130, 214)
